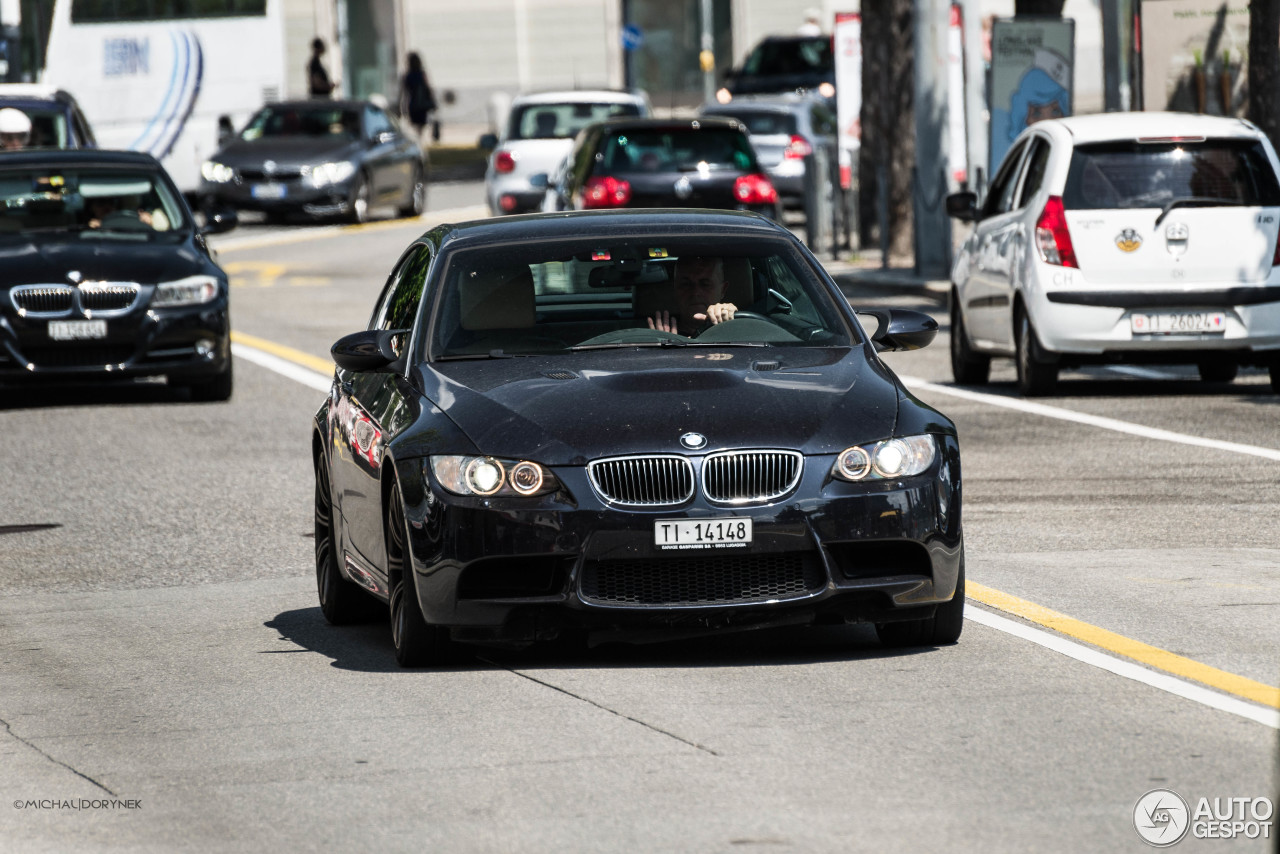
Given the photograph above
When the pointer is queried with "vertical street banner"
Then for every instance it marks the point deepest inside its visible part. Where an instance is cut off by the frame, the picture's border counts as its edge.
(1195, 55)
(957, 142)
(847, 39)
(1031, 76)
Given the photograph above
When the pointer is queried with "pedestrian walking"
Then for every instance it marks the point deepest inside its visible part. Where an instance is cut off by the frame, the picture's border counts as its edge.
(417, 101)
(318, 83)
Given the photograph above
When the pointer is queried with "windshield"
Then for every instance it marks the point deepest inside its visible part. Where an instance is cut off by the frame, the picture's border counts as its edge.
(561, 121)
(563, 296)
(647, 150)
(791, 56)
(303, 121)
(95, 203)
(1152, 174)
(764, 122)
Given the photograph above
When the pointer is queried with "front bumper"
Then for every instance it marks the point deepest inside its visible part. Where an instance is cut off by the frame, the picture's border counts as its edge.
(292, 195)
(831, 552)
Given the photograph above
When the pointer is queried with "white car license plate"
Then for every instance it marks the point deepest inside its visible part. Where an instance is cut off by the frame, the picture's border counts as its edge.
(727, 533)
(267, 191)
(1174, 322)
(77, 330)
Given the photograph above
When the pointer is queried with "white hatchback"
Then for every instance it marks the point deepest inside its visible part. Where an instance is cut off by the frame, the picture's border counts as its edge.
(539, 133)
(1122, 238)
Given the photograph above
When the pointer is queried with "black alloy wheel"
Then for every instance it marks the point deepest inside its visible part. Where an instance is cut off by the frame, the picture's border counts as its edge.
(341, 601)
(942, 628)
(417, 196)
(1037, 373)
(417, 643)
(1218, 372)
(967, 366)
(358, 201)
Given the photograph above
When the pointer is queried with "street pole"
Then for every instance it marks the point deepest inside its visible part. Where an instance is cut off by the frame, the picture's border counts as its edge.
(929, 187)
(707, 56)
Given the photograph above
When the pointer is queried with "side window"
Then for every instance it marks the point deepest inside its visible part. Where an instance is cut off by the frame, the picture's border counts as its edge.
(1000, 196)
(382, 308)
(1037, 162)
(402, 308)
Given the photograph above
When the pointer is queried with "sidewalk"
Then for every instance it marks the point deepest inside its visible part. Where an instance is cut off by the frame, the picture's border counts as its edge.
(864, 275)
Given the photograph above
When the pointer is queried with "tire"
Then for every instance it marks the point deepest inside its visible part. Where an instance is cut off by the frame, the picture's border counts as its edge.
(358, 201)
(417, 198)
(416, 642)
(1218, 372)
(1275, 378)
(967, 366)
(1037, 373)
(942, 629)
(215, 390)
(341, 601)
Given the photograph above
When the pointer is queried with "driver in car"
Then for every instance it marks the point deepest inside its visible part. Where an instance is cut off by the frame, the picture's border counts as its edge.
(699, 289)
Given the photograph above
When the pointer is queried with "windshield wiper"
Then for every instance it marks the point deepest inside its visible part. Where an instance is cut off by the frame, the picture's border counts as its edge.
(492, 354)
(619, 345)
(1194, 201)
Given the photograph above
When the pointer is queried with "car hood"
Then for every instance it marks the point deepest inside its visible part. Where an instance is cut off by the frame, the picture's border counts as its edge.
(287, 151)
(564, 412)
(101, 260)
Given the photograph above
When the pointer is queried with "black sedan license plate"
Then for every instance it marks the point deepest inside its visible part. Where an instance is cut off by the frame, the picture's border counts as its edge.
(77, 330)
(724, 533)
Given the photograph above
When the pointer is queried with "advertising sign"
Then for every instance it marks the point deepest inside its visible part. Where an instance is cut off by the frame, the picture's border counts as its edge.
(848, 56)
(1032, 63)
(1194, 54)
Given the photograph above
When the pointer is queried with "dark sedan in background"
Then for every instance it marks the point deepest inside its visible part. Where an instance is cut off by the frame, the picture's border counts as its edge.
(104, 275)
(511, 450)
(784, 64)
(669, 163)
(320, 159)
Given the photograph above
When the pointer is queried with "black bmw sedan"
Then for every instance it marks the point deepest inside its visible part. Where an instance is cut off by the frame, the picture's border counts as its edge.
(104, 275)
(654, 163)
(319, 158)
(528, 439)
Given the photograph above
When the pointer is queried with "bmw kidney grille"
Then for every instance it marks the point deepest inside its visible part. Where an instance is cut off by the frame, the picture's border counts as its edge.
(728, 477)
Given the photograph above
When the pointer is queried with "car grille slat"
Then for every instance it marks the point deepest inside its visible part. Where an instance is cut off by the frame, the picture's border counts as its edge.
(79, 357)
(692, 581)
(42, 299)
(643, 481)
(750, 477)
(108, 296)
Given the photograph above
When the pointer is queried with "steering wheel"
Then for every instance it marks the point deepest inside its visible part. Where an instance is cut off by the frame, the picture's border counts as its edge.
(751, 315)
(125, 219)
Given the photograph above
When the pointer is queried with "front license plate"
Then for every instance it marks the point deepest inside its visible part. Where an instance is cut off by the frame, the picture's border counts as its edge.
(726, 533)
(77, 330)
(267, 191)
(1178, 322)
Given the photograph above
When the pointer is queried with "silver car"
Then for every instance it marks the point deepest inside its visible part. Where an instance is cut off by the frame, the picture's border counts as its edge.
(539, 133)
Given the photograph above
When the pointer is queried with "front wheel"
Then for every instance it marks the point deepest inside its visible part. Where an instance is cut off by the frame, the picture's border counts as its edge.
(942, 628)
(417, 198)
(1037, 372)
(967, 366)
(358, 201)
(416, 642)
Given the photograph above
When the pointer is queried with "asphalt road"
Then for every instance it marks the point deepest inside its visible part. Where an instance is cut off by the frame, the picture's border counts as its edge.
(167, 682)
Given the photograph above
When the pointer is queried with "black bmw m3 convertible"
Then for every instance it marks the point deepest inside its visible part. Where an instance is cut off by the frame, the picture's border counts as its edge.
(630, 424)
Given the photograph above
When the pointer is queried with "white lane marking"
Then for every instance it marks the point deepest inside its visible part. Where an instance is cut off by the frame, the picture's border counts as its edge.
(1126, 669)
(285, 368)
(1093, 420)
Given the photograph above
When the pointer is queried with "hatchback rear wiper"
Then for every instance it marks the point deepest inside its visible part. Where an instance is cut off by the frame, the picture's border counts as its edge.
(1194, 201)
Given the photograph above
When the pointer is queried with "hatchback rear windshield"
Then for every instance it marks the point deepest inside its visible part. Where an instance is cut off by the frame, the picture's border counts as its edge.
(562, 121)
(680, 150)
(791, 56)
(1150, 175)
(766, 123)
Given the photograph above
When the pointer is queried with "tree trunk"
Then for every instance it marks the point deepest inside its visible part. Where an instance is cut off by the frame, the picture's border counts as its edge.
(1264, 67)
(1052, 8)
(888, 122)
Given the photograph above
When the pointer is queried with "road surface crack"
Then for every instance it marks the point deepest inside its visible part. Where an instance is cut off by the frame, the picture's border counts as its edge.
(8, 729)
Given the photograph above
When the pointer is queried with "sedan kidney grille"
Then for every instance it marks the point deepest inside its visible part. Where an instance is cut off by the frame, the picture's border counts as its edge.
(108, 296)
(750, 477)
(42, 299)
(652, 481)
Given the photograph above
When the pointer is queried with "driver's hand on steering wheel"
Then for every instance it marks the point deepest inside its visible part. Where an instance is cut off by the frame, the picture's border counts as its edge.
(717, 313)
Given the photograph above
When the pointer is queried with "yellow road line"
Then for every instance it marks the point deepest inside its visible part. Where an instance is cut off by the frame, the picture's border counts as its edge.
(1149, 655)
(315, 363)
(426, 222)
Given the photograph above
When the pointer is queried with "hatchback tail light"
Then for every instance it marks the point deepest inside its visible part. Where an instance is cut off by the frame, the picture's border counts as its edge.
(504, 161)
(754, 190)
(1053, 239)
(797, 149)
(606, 192)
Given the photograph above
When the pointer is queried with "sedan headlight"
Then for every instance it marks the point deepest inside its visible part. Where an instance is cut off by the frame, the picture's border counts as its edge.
(329, 173)
(465, 475)
(193, 290)
(217, 173)
(900, 457)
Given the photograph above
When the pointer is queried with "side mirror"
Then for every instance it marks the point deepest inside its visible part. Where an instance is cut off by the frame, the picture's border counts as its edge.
(226, 130)
(538, 181)
(963, 206)
(902, 329)
(370, 350)
(219, 219)
(488, 141)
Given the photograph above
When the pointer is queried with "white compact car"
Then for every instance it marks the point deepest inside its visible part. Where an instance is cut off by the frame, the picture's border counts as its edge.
(1144, 238)
(539, 133)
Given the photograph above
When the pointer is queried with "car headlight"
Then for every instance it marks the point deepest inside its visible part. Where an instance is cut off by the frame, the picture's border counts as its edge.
(217, 173)
(329, 173)
(466, 475)
(192, 290)
(898, 457)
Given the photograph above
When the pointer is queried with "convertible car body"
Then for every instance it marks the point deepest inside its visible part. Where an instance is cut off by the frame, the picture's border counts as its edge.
(511, 450)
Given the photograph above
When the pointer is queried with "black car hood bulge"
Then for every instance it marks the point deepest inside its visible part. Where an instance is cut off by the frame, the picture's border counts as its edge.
(562, 411)
(99, 259)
